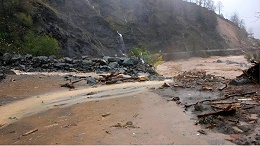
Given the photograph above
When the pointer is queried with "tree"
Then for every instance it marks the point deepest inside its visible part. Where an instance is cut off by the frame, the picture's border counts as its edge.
(209, 4)
(199, 2)
(235, 18)
(250, 32)
(241, 23)
(219, 7)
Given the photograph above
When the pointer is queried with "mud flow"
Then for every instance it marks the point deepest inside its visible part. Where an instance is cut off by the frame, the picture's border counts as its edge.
(190, 107)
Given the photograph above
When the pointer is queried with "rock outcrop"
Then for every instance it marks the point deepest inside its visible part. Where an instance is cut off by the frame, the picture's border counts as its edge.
(97, 28)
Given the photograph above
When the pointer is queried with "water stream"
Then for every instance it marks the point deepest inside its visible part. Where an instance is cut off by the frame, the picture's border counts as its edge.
(121, 44)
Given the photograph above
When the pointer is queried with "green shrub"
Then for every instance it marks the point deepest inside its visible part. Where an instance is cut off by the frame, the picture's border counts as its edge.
(25, 19)
(139, 53)
(40, 45)
(142, 53)
(252, 56)
(156, 59)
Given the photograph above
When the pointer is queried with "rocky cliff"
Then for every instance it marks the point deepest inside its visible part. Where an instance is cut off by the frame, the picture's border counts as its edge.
(112, 27)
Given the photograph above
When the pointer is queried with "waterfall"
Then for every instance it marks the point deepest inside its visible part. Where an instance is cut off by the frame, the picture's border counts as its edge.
(91, 5)
(125, 19)
(121, 44)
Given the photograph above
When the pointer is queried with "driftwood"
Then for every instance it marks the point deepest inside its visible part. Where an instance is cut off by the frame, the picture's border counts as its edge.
(229, 110)
(114, 77)
(222, 87)
(121, 79)
(70, 84)
(30, 132)
(223, 98)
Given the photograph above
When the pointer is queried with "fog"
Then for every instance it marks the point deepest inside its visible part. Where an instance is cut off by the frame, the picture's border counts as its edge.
(247, 10)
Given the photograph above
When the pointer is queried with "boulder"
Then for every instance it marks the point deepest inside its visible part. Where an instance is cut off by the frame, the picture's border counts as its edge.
(113, 65)
(91, 80)
(106, 58)
(68, 60)
(2, 76)
(128, 62)
(28, 56)
(87, 62)
(7, 58)
(16, 57)
(114, 59)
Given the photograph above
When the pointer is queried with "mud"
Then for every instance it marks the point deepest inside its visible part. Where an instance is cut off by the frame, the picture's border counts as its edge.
(191, 88)
(83, 123)
(157, 115)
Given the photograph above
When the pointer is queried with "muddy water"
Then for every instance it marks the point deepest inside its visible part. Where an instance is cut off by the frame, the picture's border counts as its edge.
(210, 65)
(42, 103)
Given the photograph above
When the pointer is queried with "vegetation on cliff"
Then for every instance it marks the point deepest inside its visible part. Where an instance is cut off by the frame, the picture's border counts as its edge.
(18, 33)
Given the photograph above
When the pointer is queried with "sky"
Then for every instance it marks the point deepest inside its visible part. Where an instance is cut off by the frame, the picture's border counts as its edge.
(246, 10)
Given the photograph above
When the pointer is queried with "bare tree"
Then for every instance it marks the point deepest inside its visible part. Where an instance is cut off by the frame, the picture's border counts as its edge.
(250, 32)
(241, 23)
(199, 2)
(219, 7)
(209, 4)
(235, 18)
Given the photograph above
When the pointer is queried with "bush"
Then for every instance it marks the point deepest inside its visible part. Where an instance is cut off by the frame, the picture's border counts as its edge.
(252, 57)
(156, 59)
(139, 53)
(142, 53)
(40, 45)
(25, 19)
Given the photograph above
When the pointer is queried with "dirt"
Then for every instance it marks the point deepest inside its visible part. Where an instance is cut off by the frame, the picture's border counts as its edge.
(101, 114)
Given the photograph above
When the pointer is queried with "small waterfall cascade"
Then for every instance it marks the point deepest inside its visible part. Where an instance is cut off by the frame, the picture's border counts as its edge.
(121, 44)
(91, 5)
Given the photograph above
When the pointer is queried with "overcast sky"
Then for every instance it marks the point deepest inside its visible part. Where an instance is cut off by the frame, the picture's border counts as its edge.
(246, 9)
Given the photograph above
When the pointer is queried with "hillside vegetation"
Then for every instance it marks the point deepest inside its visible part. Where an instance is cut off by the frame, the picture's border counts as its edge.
(91, 27)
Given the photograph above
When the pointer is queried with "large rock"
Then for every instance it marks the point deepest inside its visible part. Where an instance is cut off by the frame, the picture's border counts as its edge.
(87, 62)
(129, 62)
(113, 65)
(2, 76)
(91, 80)
(7, 58)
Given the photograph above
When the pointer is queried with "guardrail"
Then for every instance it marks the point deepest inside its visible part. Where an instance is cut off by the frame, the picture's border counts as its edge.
(201, 53)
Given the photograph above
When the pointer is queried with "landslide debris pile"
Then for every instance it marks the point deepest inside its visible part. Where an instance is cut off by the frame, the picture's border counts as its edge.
(27, 63)
(219, 105)
(252, 73)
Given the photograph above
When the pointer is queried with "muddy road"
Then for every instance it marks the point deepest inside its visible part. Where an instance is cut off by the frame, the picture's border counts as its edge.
(36, 110)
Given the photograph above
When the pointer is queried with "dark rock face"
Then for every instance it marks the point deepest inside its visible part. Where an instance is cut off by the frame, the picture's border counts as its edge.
(93, 27)
(82, 32)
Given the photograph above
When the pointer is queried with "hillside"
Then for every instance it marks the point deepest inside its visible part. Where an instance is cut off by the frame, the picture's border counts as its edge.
(93, 27)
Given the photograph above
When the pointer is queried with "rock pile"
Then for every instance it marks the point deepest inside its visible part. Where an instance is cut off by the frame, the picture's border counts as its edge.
(28, 63)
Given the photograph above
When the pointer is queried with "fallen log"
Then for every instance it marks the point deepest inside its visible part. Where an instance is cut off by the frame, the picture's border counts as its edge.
(121, 79)
(70, 85)
(227, 111)
(218, 99)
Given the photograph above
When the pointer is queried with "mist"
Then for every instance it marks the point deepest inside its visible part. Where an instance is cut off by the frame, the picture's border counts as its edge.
(247, 11)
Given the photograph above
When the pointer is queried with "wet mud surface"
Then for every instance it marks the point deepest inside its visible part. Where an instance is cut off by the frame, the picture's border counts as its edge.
(215, 104)
(176, 111)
